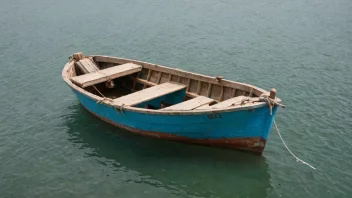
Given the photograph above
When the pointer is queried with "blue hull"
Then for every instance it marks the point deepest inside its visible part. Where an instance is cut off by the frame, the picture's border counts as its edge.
(244, 129)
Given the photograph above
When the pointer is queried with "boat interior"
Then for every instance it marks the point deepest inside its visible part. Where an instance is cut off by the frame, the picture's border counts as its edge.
(143, 85)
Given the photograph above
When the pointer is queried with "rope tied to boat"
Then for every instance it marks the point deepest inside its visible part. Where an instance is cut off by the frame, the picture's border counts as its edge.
(107, 101)
(297, 159)
(270, 99)
(104, 100)
(271, 102)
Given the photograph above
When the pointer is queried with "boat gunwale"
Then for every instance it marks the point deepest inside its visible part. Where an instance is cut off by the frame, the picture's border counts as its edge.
(96, 98)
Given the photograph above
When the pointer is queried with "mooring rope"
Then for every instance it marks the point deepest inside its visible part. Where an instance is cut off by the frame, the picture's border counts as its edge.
(98, 91)
(105, 100)
(277, 129)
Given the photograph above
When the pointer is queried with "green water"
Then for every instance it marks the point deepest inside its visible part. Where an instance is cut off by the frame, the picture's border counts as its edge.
(51, 147)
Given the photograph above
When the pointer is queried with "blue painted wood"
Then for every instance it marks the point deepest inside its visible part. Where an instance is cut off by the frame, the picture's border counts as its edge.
(236, 124)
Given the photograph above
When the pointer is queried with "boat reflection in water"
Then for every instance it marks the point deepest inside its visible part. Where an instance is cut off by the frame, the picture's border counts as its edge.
(178, 169)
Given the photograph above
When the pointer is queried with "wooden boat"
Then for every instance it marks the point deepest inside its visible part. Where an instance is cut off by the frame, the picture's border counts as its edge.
(167, 103)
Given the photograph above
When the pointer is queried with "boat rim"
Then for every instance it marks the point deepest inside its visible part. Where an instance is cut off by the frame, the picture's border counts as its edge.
(97, 98)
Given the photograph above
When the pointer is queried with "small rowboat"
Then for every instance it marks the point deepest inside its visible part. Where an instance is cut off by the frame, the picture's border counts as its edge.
(168, 103)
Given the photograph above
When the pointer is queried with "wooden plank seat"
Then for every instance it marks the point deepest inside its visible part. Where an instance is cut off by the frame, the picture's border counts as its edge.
(226, 103)
(106, 74)
(86, 66)
(148, 94)
(190, 104)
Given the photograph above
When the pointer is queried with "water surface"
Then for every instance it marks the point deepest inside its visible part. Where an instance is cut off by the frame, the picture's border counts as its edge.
(51, 147)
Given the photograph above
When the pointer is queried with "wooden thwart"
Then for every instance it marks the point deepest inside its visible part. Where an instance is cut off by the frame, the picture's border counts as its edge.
(226, 103)
(148, 94)
(106, 74)
(230, 102)
(206, 106)
(190, 104)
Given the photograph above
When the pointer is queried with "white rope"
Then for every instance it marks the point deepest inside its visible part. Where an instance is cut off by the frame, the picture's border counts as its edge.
(277, 129)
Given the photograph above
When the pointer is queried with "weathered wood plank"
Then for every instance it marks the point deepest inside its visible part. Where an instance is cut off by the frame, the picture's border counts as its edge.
(227, 93)
(86, 66)
(184, 81)
(229, 102)
(148, 83)
(209, 89)
(106, 74)
(234, 92)
(154, 77)
(199, 86)
(206, 106)
(175, 78)
(240, 86)
(81, 67)
(149, 74)
(221, 93)
(188, 84)
(148, 94)
(193, 86)
(164, 78)
(170, 77)
(204, 89)
(215, 92)
(190, 104)
(91, 64)
(226, 103)
(159, 78)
